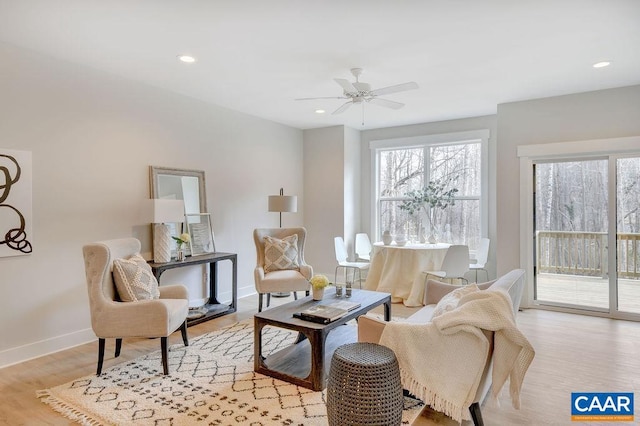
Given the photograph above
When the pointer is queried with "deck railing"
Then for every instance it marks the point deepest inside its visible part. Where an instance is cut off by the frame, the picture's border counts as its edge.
(585, 253)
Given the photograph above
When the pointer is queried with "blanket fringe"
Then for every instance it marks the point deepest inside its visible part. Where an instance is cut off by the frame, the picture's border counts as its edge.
(450, 409)
(66, 410)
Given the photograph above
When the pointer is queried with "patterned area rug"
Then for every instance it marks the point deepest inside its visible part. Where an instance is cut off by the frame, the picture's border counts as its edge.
(211, 382)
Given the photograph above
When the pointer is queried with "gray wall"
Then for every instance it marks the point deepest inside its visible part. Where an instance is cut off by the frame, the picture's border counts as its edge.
(332, 189)
(93, 137)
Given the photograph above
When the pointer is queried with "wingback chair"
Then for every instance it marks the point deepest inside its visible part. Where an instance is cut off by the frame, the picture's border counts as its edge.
(280, 271)
(113, 318)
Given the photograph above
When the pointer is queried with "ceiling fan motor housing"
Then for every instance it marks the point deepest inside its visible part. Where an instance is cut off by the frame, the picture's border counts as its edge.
(363, 88)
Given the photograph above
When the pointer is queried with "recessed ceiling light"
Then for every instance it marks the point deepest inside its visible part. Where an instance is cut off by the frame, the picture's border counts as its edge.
(601, 64)
(186, 58)
(320, 111)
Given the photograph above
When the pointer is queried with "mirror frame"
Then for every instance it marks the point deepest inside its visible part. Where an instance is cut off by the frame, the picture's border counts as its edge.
(154, 171)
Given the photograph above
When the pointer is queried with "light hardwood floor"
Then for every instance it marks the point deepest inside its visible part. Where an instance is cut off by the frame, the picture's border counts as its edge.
(573, 353)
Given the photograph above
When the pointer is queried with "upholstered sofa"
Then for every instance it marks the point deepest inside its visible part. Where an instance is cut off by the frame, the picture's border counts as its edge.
(370, 329)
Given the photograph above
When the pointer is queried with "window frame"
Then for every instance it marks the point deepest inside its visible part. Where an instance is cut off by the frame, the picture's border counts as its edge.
(425, 142)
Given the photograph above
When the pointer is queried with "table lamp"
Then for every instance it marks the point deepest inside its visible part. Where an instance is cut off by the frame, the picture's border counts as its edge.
(283, 203)
(163, 212)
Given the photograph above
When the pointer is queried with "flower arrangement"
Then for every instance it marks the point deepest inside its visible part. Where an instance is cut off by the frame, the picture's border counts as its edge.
(435, 195)
(319, 281)
(182, 239)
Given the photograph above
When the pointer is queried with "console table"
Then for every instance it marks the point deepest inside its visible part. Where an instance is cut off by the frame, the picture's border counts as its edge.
(214, 307)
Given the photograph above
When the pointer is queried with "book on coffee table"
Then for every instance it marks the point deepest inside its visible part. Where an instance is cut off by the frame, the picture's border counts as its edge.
(324, 314)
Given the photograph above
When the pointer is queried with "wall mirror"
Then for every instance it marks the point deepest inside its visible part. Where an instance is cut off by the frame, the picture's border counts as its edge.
(180, 184)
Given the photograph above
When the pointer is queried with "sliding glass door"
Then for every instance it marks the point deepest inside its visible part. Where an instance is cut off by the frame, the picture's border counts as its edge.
(574, 203)
(628, 234)
(571, 221)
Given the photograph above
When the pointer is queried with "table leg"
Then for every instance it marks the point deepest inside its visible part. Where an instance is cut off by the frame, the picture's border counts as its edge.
(387, 311)
(234, 284)
(213, 283)
(300, 338)
(317, 342)
(258, 359)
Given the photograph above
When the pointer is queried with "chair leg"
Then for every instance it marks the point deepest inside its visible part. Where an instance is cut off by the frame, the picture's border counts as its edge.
(118, 347)
(260, 302)
(165, 355)
(183, 330)
(476, 415)
(100, 356)
(295, 295)
(268, 299)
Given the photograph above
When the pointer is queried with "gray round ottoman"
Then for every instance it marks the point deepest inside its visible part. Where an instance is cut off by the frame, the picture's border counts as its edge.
(364, 386)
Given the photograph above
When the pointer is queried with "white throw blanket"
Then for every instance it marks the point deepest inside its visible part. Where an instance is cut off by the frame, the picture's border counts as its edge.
(442, 362)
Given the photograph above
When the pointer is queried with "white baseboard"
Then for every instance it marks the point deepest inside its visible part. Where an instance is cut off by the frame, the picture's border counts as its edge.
(45, 347)
(30, 351)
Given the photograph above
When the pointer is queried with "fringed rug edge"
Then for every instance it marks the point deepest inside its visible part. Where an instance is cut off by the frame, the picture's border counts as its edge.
(67, 410)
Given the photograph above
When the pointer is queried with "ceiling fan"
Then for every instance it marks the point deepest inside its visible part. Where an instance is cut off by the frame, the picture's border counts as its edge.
(361, 93)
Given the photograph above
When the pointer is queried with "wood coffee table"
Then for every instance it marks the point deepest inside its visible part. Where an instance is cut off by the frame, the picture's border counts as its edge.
(306, 362)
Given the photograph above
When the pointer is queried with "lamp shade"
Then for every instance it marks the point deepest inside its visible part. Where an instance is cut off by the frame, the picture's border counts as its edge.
(166, 211)
(283, 203)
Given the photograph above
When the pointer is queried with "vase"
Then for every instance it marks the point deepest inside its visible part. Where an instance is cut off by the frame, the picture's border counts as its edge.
(401, 240)
(318, 293)
(422, 234)
(386, 238)
(180, 255)
(432, 239)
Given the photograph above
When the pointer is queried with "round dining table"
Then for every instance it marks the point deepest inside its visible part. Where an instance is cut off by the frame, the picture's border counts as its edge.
(400, 270)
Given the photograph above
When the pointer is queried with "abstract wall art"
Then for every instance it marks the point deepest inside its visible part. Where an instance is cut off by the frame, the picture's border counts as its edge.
(16, 217)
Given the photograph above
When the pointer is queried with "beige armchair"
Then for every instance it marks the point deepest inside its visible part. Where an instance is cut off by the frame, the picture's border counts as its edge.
(112, 318)
(285, 276)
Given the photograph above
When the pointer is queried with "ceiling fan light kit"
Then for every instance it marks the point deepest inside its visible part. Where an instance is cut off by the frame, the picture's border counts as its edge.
(358, 92)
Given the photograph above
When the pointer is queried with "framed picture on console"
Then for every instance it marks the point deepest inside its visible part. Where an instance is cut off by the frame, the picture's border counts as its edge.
(199, 228)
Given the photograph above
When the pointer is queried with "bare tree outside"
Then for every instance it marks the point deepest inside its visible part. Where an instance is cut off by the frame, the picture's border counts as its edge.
(410, 169)
(572, 213)
(573, 232)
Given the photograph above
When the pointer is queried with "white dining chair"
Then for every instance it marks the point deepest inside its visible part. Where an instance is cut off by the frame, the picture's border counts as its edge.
(363, 247)
(343, 262)
(454, 265)
(482, 255)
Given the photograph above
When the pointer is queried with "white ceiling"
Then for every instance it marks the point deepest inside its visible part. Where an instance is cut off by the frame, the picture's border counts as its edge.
(257, 56)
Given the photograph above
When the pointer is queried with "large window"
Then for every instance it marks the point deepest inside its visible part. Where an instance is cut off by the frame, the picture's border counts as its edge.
(400, 169)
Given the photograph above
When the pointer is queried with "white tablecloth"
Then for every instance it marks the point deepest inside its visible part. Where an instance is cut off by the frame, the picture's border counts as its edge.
(400, 270)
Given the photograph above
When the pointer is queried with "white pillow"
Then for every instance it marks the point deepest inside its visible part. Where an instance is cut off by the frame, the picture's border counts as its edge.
(281, 254)
(134, 279)
(450, 301)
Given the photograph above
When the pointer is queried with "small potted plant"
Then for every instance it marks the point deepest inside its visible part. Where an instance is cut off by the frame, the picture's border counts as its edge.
(182, 239)
(318, 284)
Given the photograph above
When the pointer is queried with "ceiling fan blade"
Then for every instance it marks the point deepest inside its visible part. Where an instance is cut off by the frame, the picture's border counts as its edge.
(386, 103)
(343, 108)
(395, 89)
(346, 85)
(321, 97)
